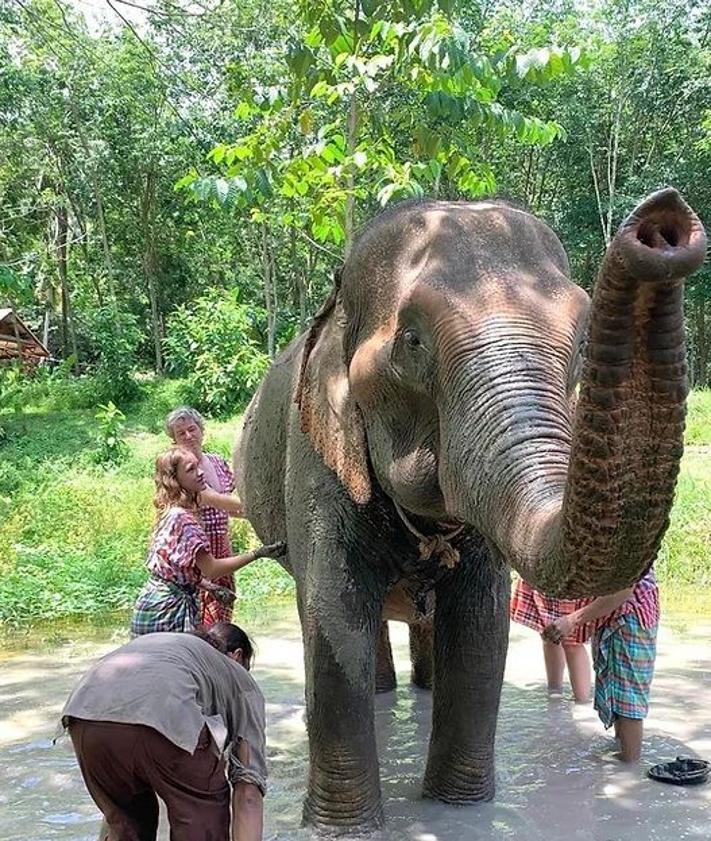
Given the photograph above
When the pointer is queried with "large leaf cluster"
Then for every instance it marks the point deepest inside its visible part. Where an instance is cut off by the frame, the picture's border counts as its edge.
(216, 342)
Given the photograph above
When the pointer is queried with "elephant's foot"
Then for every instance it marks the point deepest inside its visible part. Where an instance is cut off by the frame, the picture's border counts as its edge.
(342, 800)
(459, 780)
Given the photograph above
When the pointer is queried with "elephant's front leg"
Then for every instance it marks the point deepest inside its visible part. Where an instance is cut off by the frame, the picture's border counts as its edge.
(471, 639)
(341, 619)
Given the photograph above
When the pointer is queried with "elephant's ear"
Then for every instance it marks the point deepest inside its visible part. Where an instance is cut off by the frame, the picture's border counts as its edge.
(329, 414)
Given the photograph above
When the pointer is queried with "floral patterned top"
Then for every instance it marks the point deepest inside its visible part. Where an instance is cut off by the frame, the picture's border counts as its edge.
(216, 523)
(176, 542)
(217, 528)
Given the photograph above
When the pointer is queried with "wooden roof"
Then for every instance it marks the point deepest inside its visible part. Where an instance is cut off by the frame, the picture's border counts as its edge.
(12, 328)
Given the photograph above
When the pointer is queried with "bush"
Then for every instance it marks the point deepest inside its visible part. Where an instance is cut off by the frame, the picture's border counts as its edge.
(112, 448)
(117, 339)
(11, 393)
(214, 343)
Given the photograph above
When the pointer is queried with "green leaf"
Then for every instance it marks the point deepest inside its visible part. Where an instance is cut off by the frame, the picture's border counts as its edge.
(263, 183)
(222, 189)
(244, 110)
(218, 153)
(306, 121)
(186, 181)
(320, 88)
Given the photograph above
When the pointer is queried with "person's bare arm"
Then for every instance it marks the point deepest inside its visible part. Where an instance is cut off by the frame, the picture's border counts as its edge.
(225, 502)
(212, 567)
(247, 813)
(601, 606)
(247, 802)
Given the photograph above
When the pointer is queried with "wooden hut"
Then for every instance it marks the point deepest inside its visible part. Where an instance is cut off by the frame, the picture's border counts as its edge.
(17, 341)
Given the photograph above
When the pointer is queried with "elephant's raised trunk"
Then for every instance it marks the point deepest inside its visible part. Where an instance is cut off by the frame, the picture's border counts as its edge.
(629, 421)
(585, 514)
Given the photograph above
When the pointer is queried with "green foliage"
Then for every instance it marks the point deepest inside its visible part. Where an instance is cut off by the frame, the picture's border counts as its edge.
(11, 393)
(117, 337)
(317, 114)
(112, 449)
(215, 344)
(375, 101)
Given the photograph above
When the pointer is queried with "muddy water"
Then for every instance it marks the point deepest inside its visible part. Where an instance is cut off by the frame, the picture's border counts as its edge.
(557, 779)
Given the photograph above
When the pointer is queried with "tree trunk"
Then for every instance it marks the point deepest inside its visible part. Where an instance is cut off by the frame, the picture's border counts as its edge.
(613, 152)
(701, 380)
(351, 143)
(150, 263)
(45, 326)
(302, 278)
(62, 260)
(98, 197)
(15, 328)
(598, 195)
(269, 293)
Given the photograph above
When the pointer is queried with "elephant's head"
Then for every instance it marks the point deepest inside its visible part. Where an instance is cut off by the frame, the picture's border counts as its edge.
(449, 358)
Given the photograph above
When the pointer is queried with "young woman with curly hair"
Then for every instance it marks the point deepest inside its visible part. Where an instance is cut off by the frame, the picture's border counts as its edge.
(186, 428)
(179, 558)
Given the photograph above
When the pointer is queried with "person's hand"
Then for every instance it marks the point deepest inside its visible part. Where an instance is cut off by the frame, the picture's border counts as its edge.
(272, 550)
(224, 595)
(559, 629)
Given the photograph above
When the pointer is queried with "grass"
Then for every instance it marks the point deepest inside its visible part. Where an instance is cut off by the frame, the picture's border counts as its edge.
(73, 535)
(685, 556)
(698, 418)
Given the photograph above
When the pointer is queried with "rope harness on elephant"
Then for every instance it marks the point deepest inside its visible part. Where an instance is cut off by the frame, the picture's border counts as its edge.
(435, 546)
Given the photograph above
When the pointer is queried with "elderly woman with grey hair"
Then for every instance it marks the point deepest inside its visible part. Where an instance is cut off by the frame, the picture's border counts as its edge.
(186, 427)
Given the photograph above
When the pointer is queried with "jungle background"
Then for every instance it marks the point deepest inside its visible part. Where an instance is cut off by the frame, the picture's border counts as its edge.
(179, 180)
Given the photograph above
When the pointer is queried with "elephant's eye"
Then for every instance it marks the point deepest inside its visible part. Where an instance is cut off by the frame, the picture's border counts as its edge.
(411, 339)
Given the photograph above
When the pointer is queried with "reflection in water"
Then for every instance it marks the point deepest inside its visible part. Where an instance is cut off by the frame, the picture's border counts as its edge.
(555, 773)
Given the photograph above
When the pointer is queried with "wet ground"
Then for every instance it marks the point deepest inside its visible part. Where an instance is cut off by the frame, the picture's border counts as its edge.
(556, 776)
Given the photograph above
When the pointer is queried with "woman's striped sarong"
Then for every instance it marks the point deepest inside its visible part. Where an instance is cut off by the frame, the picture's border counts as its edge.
(623, 656)
(165, 606)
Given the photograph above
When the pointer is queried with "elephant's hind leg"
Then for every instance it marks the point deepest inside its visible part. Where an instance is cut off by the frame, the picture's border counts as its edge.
(385, 679)
(421, 655)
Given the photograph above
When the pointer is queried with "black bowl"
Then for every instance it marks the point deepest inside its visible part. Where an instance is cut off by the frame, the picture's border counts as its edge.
(684, 771)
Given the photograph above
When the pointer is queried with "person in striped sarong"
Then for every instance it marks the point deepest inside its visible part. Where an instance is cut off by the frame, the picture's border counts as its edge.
(624, 647)
(535, 610)
(179, 558)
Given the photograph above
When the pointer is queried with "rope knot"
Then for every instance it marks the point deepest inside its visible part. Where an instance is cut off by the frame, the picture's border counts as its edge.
(438, 546)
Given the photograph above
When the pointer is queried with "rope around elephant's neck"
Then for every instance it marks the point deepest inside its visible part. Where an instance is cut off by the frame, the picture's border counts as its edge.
(437, 546)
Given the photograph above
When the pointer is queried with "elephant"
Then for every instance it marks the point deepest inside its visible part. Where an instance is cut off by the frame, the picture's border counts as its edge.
(457, 408)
